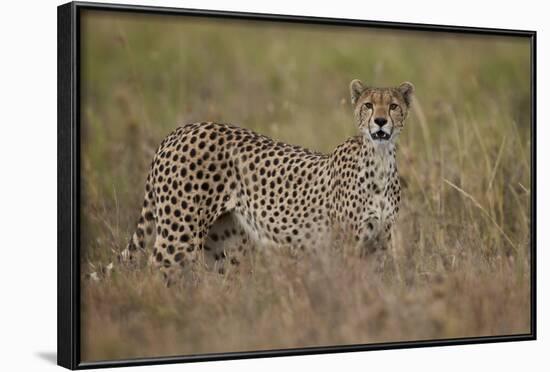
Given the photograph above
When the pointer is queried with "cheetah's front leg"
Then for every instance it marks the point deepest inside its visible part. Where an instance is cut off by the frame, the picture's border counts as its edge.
(376, 235)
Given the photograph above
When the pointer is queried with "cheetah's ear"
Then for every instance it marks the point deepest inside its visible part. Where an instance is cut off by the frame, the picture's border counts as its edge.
(356, 87)
(407, 90)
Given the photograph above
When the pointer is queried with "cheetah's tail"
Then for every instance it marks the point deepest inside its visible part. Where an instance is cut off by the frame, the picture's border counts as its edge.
(143, 236)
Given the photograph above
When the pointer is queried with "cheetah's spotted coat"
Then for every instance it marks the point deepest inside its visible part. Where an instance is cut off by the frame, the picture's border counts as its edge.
(218, 188)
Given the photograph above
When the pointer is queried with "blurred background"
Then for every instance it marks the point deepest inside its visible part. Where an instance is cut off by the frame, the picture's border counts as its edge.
(459, 261)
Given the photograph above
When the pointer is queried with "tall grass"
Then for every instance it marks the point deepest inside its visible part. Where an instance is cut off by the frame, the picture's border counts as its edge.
(459, 261)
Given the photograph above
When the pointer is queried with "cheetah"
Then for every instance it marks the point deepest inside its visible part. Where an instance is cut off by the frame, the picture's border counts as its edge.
(215, 189)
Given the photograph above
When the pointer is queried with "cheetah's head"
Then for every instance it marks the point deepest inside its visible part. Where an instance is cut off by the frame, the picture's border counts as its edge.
(380, 112)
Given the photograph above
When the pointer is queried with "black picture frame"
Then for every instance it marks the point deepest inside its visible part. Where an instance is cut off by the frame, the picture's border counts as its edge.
(68, 320)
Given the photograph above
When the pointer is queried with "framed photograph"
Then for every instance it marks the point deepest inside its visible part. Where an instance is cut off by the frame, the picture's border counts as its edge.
(236, 185)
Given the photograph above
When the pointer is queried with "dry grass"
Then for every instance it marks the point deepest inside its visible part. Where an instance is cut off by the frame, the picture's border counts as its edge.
(459, 263)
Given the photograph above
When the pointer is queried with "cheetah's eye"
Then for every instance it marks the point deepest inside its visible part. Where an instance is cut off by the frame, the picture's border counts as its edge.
(393, 106)
(368, 105)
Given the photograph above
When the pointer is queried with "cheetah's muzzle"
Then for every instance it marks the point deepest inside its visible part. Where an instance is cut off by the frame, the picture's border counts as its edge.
(380, 135)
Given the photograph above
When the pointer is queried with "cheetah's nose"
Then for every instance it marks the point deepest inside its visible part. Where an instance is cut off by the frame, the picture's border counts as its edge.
(380, 121)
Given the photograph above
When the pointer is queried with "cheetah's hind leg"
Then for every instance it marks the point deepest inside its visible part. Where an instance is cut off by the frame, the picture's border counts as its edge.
(226, 245)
